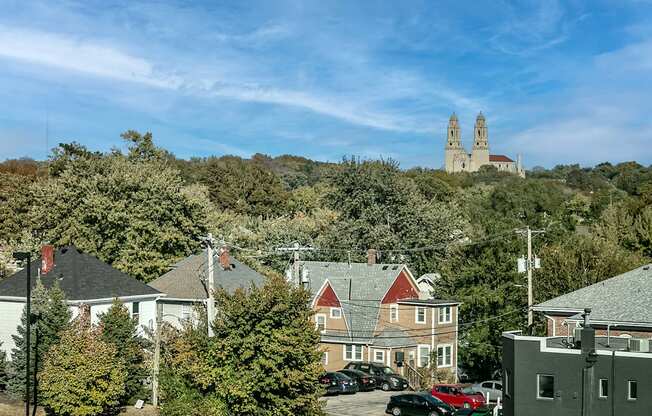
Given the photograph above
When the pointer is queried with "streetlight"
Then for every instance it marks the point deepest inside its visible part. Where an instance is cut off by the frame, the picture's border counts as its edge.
(26, 256)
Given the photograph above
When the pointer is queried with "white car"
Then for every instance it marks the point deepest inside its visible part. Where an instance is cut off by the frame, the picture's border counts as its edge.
(492, 388)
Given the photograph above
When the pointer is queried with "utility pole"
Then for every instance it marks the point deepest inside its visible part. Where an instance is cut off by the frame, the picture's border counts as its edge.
(210, 305)
(157, 353)
(28, 304)
(295, 250)
(530, 263)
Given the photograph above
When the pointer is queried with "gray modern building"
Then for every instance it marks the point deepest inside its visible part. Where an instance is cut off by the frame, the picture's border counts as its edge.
(579, 375)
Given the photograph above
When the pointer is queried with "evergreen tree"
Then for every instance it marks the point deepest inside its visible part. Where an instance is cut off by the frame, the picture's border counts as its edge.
(119, 329)
(3, 369)
(50, 316)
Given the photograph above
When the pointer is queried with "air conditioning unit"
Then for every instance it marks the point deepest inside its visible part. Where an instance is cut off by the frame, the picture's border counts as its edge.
(638, 345)
(305, 276)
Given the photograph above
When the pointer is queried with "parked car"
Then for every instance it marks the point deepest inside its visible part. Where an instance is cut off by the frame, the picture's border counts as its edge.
(456, 396)
(491, 387)
(337, 383)
(366, 382)
(386, 378)
(418, 404)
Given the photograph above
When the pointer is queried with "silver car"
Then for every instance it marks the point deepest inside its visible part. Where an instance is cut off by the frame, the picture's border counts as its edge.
(492, 388)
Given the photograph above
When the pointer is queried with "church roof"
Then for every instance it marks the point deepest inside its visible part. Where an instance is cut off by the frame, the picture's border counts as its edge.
(499, 158)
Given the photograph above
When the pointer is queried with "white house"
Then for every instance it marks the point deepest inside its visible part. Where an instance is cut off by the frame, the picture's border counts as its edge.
(85, 280)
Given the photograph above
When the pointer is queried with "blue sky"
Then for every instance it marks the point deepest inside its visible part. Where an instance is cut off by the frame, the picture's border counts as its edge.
(559, 82)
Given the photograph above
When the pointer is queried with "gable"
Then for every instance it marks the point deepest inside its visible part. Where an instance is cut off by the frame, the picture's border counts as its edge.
(328, 297)
(402, 288)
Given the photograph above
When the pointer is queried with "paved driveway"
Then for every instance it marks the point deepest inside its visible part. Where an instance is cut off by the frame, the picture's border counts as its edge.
(371, 403)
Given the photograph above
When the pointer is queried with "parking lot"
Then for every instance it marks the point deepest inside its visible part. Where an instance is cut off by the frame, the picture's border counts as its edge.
(360, 404)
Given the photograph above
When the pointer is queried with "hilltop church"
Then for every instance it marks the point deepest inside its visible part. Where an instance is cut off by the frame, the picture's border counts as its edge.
(458, 160)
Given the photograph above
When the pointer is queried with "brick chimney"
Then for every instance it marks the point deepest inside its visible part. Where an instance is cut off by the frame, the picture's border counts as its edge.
(372, 255)
(225, 259)
(47, 258)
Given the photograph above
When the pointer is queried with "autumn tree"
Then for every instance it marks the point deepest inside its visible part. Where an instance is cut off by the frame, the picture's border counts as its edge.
(82, 374)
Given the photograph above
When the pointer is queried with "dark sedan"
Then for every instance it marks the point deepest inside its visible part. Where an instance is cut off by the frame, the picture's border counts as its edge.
(365, 381)
(337, 383)
(418, 404)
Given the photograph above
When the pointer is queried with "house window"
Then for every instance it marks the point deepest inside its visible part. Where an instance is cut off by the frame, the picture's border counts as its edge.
(420, 315)
(336, 313)
(379, 356)
(445, 315)
(632, 390)
(604, 388)
(423, 352)
(135, 311)
(320, 322)
(545, 386)
(186, 312)
(353, 352)
(444, 356)
(393, 313)
(324, 358)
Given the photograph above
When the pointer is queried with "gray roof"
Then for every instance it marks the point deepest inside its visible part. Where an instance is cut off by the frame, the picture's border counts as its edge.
(80, 276)
(367, 285)
(394, 337)
(187, 277)
(624, 298)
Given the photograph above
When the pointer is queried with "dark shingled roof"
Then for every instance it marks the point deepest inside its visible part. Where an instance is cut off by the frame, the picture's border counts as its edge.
(187, 277)
(81, 277)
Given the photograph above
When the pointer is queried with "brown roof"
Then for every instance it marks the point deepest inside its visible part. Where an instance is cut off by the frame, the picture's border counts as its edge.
(499, 158)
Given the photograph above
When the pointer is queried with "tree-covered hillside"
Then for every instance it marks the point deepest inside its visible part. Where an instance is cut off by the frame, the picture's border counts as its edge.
(146, 209)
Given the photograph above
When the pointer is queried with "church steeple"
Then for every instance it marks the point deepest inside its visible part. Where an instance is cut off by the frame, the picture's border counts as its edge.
(454, 139)
(480, 134)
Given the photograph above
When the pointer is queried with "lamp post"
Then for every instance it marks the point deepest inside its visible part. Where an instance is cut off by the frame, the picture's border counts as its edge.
(28, 302)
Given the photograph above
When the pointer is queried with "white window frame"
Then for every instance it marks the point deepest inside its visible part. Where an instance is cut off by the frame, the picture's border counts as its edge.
(339, 313)
(419, 347)
(602, 394)
(135, 315)
(317, 316)
(393, 308)
(355, 349)
(443, 347)
(629, 390)
(376, 360)
(539, 384)
(416, 315)
(186, 310)
(324, 359)
(448, 316)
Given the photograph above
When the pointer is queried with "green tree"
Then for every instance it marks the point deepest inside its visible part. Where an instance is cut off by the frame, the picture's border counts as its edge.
(120, 330)
(82, 374)
(244, 187)
(3, 369)
(50, 317)
(262, 360)
(383, 209)
(132, 213)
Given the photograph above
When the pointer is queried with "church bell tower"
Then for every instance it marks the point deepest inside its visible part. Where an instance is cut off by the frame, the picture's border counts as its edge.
(480, 152)
(453, 145)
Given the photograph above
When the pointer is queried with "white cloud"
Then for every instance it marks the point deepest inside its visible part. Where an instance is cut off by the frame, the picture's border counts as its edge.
(101, 60)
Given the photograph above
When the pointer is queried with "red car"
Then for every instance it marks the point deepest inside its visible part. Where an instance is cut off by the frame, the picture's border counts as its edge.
(457, 396)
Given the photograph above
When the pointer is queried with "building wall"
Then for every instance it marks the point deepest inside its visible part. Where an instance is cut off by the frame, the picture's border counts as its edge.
(11, 313)
(332, 324)
(523, 360)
